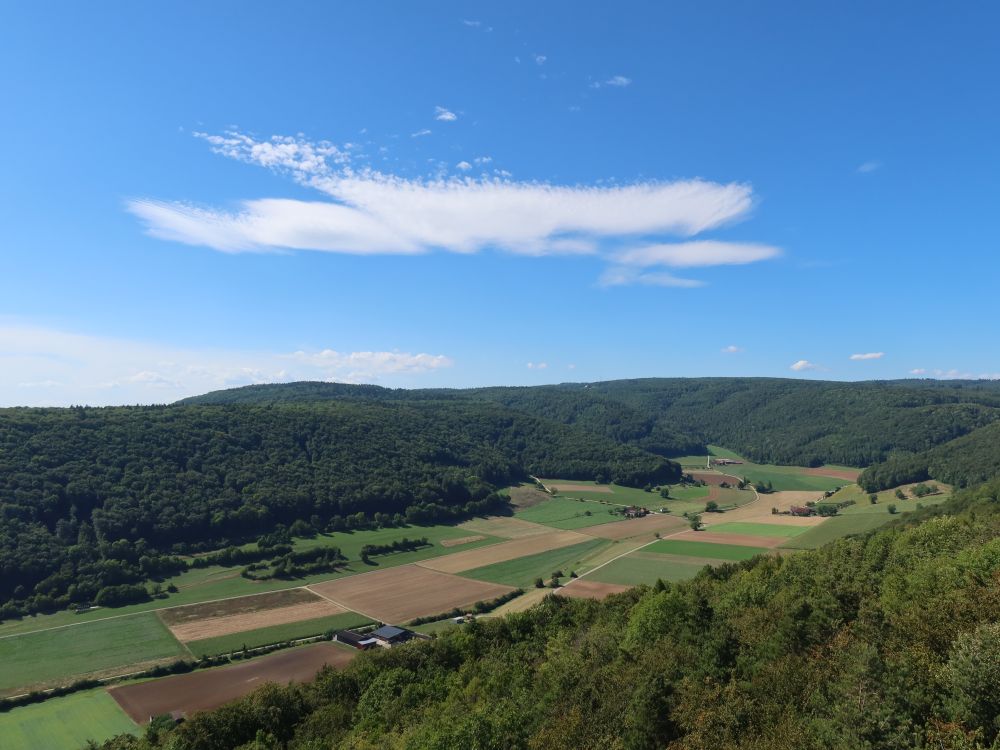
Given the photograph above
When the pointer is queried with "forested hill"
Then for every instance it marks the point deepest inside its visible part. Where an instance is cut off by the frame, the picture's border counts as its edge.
(770, 420)
(887, 641)
(92, 498)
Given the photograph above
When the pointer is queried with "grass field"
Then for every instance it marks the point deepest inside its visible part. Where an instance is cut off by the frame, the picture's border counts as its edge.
(57, 656)
(633, 570)
(290, 631)
(685, 492)
(692, 462)
(64, 723)
(781, 477)
(705, 549)
(566, 513)
(836, 527)
(863, 504)
(760, 529)
(523, 571)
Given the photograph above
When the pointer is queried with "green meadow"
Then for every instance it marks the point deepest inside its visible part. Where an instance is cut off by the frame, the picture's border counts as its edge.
(65, 723)
(637, 568)
(566, 513)
(780, 477)
(289, 631)
(705, 549)
(523, 571)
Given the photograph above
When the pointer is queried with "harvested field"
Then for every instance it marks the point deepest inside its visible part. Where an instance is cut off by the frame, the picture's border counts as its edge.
(714, 478)
(236, 606)
(759, 511)
(505, 527)
(584, 589)
(494, 553)
(748, 540)
(401, 594)
(461, 540)
(649, 525)
(526, 495)
(211, 688)
(850, 475)
(529, 599)
(570, 487)
(213, 627)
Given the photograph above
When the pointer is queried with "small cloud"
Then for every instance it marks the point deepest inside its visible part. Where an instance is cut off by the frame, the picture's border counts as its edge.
(918, 371)
(803, 365)
(540, 59)
(732, 349)
(869, 166)
(619, 81)
(444, 115)
(420, 133)
(869, 355)
(472, 24)
(464, 166)
(623, 276)
(697, 253)
(570, 367)
(537, 365)
(483, 159)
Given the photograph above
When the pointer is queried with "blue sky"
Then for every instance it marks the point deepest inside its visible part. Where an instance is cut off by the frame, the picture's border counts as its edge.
(463, 194)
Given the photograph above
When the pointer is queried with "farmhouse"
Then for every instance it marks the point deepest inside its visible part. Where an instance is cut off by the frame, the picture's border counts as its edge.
(356, 639)
(388, 636)
(634, 512)
(725, 461)
(799, 510)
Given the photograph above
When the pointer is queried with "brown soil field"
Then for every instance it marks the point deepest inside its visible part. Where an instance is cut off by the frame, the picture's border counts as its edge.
(462, 540)
(822, 471)
(530, 598)
(581, 588)
(210, 688)
(215, 626)
(649, 525)
(714, 478)
(505, 527)
(236, 606)
(759, 511)
(659, 557)
(602, 489)
(526, 495)
(494, 553)
(400, 594)
(719, 537)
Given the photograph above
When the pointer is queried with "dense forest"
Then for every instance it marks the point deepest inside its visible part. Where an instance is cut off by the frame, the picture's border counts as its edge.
(94, 499)
(885, 641)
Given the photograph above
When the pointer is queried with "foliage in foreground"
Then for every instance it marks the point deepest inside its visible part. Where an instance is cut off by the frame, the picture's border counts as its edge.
(886, 641)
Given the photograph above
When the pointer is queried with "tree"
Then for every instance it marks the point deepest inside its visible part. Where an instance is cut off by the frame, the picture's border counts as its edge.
(873, 498)
(539, 583)
(900, 495)
(891, 507)
(694, 521)
(711, 507)
(665, 493)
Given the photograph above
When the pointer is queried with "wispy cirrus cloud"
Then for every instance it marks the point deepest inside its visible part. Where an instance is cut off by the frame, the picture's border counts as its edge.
(364, 211)
(732, 349)
(869, 166)
(444, 115)
(614, 81)
(867, 356)
(45, 366)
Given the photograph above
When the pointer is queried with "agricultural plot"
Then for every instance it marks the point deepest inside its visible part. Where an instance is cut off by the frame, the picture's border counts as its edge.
(510, 550)
(505, 527)
(65, 723)
(211, 688)
(566, 513)
(523, 571)
(785, 477)
(648, 526)
(645, 568)
(588, 589)
(837, 527)
(56, 657)
(225, 644)
(740, 540)
(404, 593)
(758, 529)
(705, 549)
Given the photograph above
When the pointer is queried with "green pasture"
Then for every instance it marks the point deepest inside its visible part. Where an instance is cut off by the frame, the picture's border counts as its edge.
(760, 529)
(64, 723)
(56, 657)
(634, 569)
(566, 513)
(864, 505)
(289, 631)
(705, 549)
(692, 462)
(523, 571)
(780, 477)
(837, 527)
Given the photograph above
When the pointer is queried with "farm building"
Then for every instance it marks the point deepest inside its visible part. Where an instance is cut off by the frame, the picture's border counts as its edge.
(799, 510)
(725, 461)
(358, 640)
(388, 636)
(634, 512)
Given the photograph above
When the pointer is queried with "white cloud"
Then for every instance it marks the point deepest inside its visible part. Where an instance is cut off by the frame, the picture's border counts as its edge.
(445, 115)
(420, 133)
(697, 253)
(570, 367)
(537, 365)
(43, 366)
(918, 371)
(868, 355)
(540, 59)
(483, 159)
(869, 166)
(464, 166)
(623, 275)
(803, 365)
(619, 81)
(732, 349)
(473, 24)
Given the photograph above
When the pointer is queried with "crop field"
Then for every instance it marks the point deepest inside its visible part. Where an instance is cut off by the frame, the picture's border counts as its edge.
(225, 644)
(654, 523)
(705, 549)
(57, 656)
(209, 688)
(783, 477)
(64, 723)
(505, 527)
(692, 462)
(566, 513)
(523, 571)
(404, 593)
(759, 529)
(645, 567)
(586, 588)
(509, 550)
(837, 527)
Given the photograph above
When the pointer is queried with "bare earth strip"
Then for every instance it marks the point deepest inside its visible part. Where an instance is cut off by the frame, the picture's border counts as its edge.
(236, 606)
(648, 525)
(210, 688)
(505, 527)
(602, 489)
(403, 593)
(823, 471)
(583, 589)
(477, 558)
(718, 537)
(216, 626)
(713, 478)
(461, 541)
